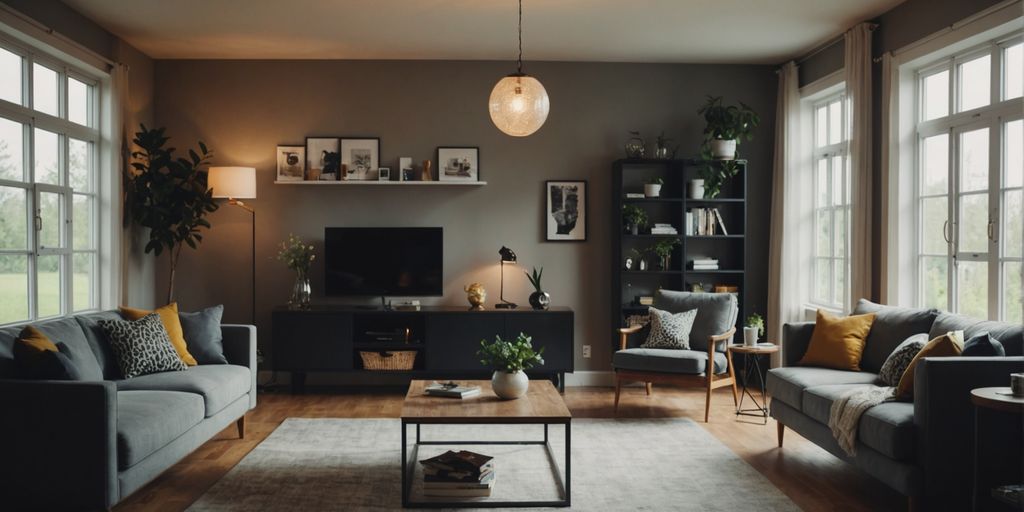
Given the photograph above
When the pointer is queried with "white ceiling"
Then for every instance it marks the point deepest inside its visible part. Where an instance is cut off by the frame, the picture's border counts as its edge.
(720, 31)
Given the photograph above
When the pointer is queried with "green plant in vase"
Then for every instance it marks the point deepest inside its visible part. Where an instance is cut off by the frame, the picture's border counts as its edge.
(753, 329)
(633, 217)
(663, 249)
(510, 358)
(539, 299)
(298, 256)
(715, 173)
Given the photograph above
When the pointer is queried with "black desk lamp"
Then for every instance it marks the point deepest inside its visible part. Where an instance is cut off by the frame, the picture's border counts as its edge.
(506, 256)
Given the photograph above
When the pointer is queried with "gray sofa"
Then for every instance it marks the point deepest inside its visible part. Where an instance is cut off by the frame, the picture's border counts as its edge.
(86, 445)
(921, 449)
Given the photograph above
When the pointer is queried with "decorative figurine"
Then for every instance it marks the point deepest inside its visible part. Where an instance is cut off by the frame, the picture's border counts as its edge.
(427, 175)
(476, 295)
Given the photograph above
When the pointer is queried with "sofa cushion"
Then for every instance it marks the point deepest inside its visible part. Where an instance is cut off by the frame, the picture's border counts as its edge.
(172, 323)
(68, 332)
(950, 344)
(149, 420)
(888, 427)
(837, 342)
(788, 383)
(142, 346)
(219, 385)
(202, 335)
(36, 357)
(983, 344)
(98, 341)
(896, 364)
(1009, 334)
(716, 313)
(662, 360)
(892, 325)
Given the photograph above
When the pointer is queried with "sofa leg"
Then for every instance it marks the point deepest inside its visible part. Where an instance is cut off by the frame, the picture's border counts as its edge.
(241, 427)
(650, 386)
(781, 429)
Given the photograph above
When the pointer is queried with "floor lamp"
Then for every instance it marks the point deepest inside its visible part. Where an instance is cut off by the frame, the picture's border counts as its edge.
(233, 184)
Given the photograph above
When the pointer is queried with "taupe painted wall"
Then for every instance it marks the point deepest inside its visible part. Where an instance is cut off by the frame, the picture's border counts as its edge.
(243, 109)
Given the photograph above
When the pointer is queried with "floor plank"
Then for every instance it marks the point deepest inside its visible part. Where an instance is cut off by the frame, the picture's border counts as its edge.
(810, 476)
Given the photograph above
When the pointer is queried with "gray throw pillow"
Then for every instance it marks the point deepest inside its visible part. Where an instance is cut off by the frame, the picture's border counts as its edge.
(896, 364)
(202, 335)
(670, 330)
(142, 346)
(983, 344)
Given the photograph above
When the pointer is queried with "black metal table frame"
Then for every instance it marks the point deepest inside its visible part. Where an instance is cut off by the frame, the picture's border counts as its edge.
(752, 365)
(409, 466)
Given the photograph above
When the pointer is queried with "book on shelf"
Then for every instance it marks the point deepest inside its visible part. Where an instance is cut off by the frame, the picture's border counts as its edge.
(704, 222)
(450, 390)
(721, 223)
(634, 195)
(705, 261)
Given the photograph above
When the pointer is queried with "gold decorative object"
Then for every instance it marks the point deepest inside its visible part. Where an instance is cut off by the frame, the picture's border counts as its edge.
(476, 295)
(427, 175)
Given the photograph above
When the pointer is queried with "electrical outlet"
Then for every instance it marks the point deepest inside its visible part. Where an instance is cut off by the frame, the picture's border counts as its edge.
(586, 351)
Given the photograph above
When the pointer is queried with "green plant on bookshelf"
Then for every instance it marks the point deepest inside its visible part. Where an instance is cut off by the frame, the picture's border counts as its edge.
(633, 217)
(663, 249)
(715, 173)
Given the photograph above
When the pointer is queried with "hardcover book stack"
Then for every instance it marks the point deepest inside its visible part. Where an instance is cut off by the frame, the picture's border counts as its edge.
(461, 474)
(705, 264)
(663, 229)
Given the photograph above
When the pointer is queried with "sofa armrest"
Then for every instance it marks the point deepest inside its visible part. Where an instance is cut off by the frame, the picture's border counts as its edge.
(62, 432)
(795, 339)
(944, 418)
(240, 348)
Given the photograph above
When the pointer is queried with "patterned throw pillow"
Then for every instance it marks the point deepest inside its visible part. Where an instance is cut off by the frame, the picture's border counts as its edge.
(142, 346)
(898, 361)
(670, 330)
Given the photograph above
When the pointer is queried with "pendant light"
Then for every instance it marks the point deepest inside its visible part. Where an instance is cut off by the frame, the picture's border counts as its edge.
(519, 104)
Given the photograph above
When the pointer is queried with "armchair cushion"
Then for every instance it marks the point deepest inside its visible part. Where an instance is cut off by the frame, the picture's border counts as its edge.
(670, 330)
(660, 360)
(716, 313)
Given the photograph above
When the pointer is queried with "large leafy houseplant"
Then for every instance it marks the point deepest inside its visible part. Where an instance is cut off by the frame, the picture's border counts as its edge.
(728, 122)
(168, 194)
(510, 356)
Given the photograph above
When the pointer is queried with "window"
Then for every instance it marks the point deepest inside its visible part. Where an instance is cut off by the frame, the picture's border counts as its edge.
(969, 167)
(49, 235)
(831, 178)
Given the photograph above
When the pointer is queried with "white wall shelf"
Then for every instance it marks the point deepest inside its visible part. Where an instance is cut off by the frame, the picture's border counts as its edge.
(356, 183)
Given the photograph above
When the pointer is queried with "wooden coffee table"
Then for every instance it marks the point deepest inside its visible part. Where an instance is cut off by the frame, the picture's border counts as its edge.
(542, 405)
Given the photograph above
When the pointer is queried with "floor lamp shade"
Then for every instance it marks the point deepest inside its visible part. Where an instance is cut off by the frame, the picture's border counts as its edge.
(233, 182)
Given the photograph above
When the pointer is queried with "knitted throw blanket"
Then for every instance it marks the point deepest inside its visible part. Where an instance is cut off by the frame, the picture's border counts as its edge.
(846, 411)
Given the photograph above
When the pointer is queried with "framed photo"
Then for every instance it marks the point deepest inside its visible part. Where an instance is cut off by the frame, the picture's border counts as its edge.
(291, 163)
(458, 164)
(566, 211)
(322, 158)
(384, 174)
(362, 156)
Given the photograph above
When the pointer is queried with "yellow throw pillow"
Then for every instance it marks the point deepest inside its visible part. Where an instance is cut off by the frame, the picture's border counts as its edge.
(838, 342)
(950, 344)
(168, 317)
(32, 344)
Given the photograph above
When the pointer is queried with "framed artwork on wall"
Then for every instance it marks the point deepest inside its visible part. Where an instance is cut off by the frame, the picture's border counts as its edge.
(458, 164)
(291, 163)
(566, 211)
(361, 156)
(322, 158)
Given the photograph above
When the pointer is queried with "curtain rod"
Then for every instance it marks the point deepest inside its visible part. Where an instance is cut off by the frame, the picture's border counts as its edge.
(826, 45)
(57, 35)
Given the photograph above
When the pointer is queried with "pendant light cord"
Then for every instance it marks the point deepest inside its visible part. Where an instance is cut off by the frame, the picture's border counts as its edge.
(520, 64)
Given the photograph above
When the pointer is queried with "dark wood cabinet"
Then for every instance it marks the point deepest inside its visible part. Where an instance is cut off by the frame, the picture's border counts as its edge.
(312, 342)
(547, 331)
(454, 338)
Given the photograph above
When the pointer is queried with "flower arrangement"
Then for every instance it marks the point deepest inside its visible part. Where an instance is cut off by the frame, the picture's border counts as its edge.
(296, 254)
(510, 356)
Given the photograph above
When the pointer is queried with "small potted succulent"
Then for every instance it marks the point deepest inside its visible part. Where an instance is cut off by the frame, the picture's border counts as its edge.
(653, 187)
(726, 126)
(509, 359)
(539, 299)
(753, 330)
(633, 217)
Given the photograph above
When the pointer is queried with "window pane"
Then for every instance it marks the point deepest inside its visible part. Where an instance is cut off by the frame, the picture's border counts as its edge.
(13, 218)
(821, 127)
(50, 211)
(936, 165)
(972, 288)
(935, 92)
(974, 223)
(1014, 146)
(934, 213)
(10, 81)
(1013, 224)
(79, 162)
(822, 280)
(1012, 292)
(933, 282)
(12, 150)
(839, 228)
(48, 276)
(82, 222)
(13, 288)
(78, 102)
(975, 83)
(840, 287)
(835, 122)
(47, 168)
(1013, 71)
(84, 281)
(822, 183)
(824, 233)
(974, 160)
(837, 180)
(44, 89)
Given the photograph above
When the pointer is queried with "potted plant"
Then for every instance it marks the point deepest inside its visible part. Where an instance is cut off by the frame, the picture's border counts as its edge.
(652, 188)
(662, 151)
(509, 359)
(298, 256)
(726, 126)
(713, 175)
(663, 248)
(753, 330)
(633, 217)
(635, 146)
(539, 299)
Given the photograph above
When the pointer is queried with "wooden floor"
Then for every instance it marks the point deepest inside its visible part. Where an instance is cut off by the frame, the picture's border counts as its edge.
(810, 476)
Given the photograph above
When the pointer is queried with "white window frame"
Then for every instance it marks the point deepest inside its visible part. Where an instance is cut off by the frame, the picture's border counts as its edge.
(837, 262)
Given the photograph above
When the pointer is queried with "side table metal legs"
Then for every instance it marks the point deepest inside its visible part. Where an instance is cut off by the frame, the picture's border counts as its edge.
(752, 367)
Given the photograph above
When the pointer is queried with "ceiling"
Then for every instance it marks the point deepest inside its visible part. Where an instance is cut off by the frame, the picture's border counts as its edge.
(693, 31)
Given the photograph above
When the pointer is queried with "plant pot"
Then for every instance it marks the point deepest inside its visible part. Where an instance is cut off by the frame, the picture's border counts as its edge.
(540, 300)
(509, 386)
(696, 189)
(634, 229)
(750, 336)
(723, 149)
(652, 189)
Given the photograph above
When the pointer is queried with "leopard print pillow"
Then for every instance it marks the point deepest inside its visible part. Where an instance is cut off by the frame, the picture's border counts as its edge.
(670, 330)
(142, 346)
(900, 358)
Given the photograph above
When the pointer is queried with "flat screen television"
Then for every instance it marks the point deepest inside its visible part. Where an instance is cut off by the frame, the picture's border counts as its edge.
(396, 262)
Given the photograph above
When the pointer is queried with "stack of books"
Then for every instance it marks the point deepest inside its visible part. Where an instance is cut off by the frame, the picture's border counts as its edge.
(634, 195)
(705, 264)
(704, 222)
(663, 229)
(450, 390)
(461, 474)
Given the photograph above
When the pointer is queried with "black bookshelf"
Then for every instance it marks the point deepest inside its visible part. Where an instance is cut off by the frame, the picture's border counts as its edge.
(629, 176)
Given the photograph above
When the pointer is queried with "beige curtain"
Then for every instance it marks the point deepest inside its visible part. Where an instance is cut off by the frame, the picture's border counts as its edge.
(857, 73)
(888, 129)
(784, 288)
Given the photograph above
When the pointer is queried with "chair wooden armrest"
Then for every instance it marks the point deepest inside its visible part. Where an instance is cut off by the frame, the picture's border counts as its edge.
(624, 333)
(714, 340)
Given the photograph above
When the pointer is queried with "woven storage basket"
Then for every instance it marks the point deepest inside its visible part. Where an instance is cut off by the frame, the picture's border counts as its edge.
(397, 360)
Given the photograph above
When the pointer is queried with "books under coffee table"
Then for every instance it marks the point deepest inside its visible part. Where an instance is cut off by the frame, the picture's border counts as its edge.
(461, 474)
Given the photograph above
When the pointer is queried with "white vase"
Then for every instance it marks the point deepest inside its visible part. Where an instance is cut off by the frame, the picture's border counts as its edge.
(509, 386)
(723, 149)
(750, 336)
(696, 189)
(652, 189)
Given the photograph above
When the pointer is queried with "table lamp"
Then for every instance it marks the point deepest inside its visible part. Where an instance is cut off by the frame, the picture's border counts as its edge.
(507, 256)
(233, 184)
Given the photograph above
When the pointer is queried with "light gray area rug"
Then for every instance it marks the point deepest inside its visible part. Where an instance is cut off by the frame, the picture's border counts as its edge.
(617, 465)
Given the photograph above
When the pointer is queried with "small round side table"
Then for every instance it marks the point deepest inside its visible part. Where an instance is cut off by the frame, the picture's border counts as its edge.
(752, 367)
(997, 444)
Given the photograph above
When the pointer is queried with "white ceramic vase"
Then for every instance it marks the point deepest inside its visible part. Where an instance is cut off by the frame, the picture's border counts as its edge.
(696, 189)
(723, 149)
(509, 386)
(750, 336)
(652, 189)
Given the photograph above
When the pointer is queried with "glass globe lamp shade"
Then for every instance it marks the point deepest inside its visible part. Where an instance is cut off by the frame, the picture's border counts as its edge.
(519, 105)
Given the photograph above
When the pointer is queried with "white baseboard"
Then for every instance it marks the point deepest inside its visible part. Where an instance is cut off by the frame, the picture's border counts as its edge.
(577, 379)
(590, 378)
